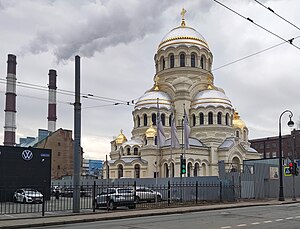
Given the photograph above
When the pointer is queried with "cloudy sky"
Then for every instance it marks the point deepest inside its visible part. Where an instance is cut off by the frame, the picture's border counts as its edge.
(117, 41)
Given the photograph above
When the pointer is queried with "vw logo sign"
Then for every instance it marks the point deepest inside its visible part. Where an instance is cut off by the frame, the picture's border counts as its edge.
(27, 155)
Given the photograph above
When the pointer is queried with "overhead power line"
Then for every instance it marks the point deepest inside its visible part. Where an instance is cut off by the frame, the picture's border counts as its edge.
(268, 8)
(290, 41)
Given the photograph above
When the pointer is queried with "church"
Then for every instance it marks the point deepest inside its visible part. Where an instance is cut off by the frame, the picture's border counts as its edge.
(183, 89)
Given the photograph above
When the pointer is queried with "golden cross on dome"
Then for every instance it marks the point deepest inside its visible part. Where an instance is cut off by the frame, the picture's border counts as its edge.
(156, 83)
(183, 11)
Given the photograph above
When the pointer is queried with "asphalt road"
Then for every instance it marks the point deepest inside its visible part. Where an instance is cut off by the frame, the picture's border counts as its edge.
(261, 217)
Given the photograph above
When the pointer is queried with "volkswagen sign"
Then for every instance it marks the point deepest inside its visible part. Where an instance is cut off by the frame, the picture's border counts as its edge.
(27, 155)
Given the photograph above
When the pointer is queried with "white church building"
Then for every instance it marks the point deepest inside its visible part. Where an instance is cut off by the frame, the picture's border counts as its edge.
(183, 82)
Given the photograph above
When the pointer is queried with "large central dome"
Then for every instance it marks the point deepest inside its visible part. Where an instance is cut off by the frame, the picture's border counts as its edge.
(183, 34)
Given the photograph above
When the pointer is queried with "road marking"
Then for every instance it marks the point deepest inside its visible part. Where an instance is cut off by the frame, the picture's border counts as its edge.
(226, 227)
(256, 223)
(277, 220)
(268, 221)
(289, 218)
(241, 225)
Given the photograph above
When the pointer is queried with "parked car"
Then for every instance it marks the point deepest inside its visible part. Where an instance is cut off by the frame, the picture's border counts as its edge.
(68, 192)
(28, 195)
(114, 197)
(147, 194)
(55, 190)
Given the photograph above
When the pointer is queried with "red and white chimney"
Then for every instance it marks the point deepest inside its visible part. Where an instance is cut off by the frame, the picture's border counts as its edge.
(52, 101)
(10, 103)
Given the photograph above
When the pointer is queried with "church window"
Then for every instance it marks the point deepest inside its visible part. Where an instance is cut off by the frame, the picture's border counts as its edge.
(170, 120)
(128, 151)
(237, 134)
(227, 119)
(201, 119)
(193, 60)
(219, 117)
(194, 120)
(138, 121)
(210, 118)
(182, 60)
(172, 172)
(120, 171)
(155, 140)
(145, 120)
(163, 119)
(137, 170)
(196, 170)
(245, 136)
(203, 62)
(135, 151)
(163, 63)
(154, 119)
(189, 169)
(166, 168)
(172, 61)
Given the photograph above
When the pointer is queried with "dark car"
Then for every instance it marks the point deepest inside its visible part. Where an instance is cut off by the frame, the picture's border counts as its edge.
(114, 197)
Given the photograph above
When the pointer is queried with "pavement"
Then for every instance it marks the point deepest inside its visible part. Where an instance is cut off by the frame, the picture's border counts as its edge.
(31, 220)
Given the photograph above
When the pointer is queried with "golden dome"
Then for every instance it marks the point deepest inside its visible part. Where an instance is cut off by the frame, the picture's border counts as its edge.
(121, 138)
(237, 122)
(151, 132)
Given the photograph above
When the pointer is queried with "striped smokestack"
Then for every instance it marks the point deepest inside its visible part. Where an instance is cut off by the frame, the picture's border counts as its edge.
(10, 103)
(52, 101)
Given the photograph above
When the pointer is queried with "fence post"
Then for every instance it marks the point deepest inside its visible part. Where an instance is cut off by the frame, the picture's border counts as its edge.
(134, 190)
(169, 192)
(221, 191)
(43, 199)
(94, 197)
(196, 192)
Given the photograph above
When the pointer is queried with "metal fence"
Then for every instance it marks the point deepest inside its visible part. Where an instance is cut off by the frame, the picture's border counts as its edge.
(15, 200)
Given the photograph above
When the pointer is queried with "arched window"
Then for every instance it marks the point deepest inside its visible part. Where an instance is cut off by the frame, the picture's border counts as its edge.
(145, 120)
(166, 168)
(203, 169)
(227, 119)
(154, 119)
(120, 171)
(138, 121)
(219, 118)
(128, 151)
(163, 119)
(135, 151)
(155, 140)
(172, 172)
(237, 134)
(172, 61)
(203, 62)
(245, 135)
(194, 120)
(170, 120)
(201, 119)
(196, 170)
(182, 60)
(162, 63)
(137, 170)
(193, 60)
(189, 169)
(210, 118)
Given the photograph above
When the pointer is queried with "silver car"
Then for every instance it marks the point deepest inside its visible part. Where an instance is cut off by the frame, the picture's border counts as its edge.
(114, 197)
(28, 195)
(147, 194)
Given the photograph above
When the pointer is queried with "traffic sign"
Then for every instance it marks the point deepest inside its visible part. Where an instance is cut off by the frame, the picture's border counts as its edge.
(287, 171)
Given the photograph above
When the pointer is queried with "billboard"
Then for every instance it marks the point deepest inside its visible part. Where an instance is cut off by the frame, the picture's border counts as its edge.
(22, 167)
(95, 167)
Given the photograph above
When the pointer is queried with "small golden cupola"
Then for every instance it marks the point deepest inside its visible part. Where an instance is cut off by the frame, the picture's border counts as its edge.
(151, 132)
(237, 122)
(121, 138)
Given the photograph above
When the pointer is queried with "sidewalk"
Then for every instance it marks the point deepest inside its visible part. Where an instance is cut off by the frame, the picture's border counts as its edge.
(27, 220)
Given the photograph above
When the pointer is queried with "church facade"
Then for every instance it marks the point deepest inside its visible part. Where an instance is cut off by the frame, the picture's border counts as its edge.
(183, 85)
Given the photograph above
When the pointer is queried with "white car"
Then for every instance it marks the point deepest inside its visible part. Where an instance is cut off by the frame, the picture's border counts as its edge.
(147, 194)
(28, 195)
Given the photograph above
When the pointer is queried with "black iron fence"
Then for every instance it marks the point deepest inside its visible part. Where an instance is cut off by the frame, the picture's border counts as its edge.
(15, 200)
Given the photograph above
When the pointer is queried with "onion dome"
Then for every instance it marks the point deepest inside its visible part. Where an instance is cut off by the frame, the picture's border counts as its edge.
(153, 98)
(237, 122)
(121, 138)
(151, 132)
(211, 97)
(183, 35)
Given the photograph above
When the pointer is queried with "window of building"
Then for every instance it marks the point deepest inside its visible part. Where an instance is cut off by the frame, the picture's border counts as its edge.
(58, 167)
(274, 145)
(135, 151)
(237, 134)
(267, 155)
(219, 117)
(201, 119)
(261, 145)
(196, 170)
(166, 169)
(267, 145)
(172, 61)
(154, 119)
(58, 143)
(138, 121)
(193, 60)
(120, 171)
(162, 63)
(128, 151)
(163, 119)
(58, 153)
(210, 118)
(172, 172)
(274, 154)
(189, 169)
(137, 170)
(194, 120)
(145, 120)
(170, 120)
(227, 119)
(203, 62)
(182, 60)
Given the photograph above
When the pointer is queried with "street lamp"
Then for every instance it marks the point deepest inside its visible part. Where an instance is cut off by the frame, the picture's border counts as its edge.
(290, 124)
